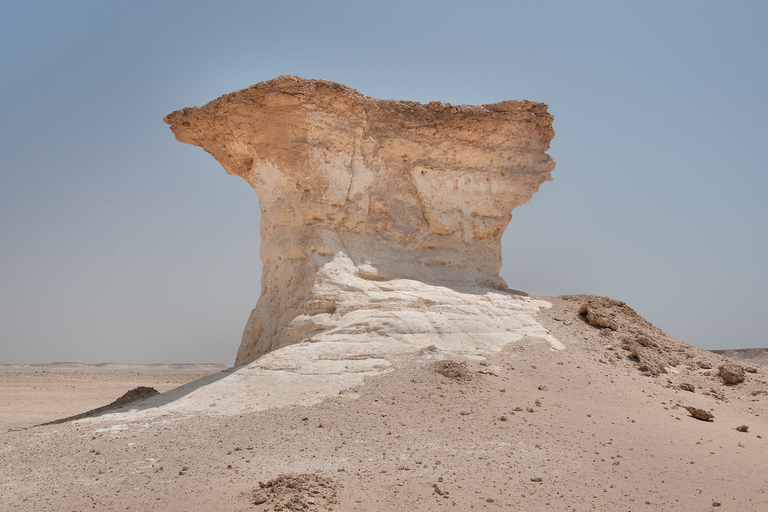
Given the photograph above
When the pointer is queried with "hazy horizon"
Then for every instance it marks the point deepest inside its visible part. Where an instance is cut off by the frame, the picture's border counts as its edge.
(120, 244)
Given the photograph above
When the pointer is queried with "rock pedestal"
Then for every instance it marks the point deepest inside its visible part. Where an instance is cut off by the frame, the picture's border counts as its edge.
(381, 221)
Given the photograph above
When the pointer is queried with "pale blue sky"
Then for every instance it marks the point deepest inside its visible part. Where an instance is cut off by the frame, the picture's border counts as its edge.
(118, 243)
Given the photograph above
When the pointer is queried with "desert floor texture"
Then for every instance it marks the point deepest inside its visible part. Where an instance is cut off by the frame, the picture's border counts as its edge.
(591, 427)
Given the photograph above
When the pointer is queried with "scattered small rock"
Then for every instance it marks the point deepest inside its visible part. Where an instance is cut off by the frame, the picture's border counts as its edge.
(700, 414)
(717, 394)
(296, 492)
(685, 386)
(595, 317)
(731, 373)
(453, 370)
(439, 491)
(742, 428)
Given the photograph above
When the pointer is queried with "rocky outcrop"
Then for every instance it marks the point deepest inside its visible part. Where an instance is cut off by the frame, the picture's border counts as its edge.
(381, 221)
(731, 373)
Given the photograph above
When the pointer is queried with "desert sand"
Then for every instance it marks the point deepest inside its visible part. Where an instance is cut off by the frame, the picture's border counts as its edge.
(526, 428)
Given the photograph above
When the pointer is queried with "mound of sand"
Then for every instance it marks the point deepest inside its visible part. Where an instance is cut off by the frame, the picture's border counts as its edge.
(528, 428)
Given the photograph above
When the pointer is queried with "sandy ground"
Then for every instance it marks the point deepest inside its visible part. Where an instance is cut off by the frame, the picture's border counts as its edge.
(31, 394)
(528, 429)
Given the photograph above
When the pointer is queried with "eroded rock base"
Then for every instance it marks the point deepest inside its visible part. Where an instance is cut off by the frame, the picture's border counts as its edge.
(364, 342)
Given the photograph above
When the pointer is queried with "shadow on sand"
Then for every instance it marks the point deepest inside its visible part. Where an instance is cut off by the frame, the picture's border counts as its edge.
(142, 398)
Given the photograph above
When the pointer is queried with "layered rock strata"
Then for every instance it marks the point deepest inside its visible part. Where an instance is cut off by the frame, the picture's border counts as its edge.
(381, 220)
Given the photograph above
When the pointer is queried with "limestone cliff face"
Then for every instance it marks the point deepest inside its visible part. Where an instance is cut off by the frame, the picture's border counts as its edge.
(372, 210)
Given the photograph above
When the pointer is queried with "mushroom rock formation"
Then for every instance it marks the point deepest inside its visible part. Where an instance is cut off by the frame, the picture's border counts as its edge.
(381, 220)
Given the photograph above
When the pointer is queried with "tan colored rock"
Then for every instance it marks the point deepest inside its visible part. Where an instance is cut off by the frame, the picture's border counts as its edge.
(381, 220)
(597, 316)
(731, 373)
(700, 414)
